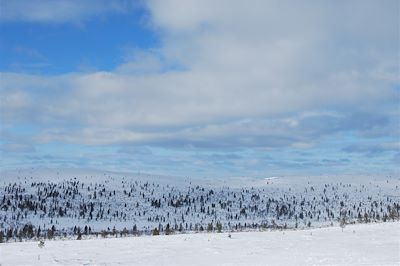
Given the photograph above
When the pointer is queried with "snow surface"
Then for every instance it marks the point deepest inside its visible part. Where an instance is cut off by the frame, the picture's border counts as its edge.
(361, 244)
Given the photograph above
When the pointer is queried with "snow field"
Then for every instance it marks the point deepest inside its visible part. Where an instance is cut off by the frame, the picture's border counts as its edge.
(361, 244)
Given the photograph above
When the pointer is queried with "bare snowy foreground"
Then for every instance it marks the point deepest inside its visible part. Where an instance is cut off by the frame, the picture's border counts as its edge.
(362, 244)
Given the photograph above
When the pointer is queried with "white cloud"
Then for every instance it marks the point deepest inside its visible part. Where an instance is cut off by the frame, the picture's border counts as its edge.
(252, 74)
(141, 63)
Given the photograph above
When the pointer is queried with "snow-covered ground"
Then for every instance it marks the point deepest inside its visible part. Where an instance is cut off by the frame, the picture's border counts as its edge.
(362, 244)
(33, 201)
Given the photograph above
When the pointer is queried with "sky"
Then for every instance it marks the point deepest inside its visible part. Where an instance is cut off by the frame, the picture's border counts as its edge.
(201, 88)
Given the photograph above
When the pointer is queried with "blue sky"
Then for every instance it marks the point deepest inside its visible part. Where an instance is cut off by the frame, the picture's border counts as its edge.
(196, 88)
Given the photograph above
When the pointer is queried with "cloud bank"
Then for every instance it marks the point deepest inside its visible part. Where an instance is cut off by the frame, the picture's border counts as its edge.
(229, 75)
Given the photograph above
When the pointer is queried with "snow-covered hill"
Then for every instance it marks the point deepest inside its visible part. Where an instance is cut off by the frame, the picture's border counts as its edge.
(48, 203)
(362, 244)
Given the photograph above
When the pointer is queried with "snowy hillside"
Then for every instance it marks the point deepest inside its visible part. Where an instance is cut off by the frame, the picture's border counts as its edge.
(362, 244)
(70, 203)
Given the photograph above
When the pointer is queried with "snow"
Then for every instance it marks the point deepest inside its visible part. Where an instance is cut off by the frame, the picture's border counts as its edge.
(361, 244)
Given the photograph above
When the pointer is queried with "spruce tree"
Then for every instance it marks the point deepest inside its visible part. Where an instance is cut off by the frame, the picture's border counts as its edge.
(168, 230)
(156, 232)
(219, 227)
(50, 234)
(209, 227)
(79, 234)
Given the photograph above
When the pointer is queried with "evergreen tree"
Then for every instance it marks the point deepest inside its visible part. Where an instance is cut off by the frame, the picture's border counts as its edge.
(156, 232)
(209, 227)
(134, 230)
(50, 234)
(219, 227)
(168, 230)
(9, 234)
(38, 232)
(79, 234)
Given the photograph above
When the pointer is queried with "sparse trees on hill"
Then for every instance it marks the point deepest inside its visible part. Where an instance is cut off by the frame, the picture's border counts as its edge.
(171, 209)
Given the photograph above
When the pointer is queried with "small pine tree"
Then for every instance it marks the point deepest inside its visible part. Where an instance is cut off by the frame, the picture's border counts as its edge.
(219, 227)
(38, 232)
(9, 234)
(79, 234)
(124, 232)
(393, 214)
(114, 231)
(50, 234)
(209, 227)
(168, 230)
(156, 232)
(134, 230)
